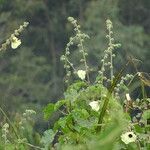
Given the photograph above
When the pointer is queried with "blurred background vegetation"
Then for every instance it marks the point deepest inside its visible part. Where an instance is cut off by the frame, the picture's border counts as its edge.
(32, 75)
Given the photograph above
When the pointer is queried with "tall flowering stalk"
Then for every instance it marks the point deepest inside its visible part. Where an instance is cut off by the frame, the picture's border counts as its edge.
(77, 39)
(108, 54)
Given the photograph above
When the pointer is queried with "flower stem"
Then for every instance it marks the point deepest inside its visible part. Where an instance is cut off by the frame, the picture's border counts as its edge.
(138, 145)
(109, 94)
(104, 108)
(85, 63)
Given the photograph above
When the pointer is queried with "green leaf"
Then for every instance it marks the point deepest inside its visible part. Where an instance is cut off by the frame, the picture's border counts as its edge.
(80, 113)
(48, 138)
(64, 123)
(139, 129)
(59, 104)
(73, 90)
(146, 114)
(48, 111)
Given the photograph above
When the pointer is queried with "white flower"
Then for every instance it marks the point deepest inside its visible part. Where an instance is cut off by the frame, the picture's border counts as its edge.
(128, 97)
(81, 74)
(15, 42)
(128, 137)
(94, 105)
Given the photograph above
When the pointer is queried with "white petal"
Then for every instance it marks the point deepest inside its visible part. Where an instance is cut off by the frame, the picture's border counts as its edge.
(128, 97)
(126, 139)
(94, 105)
(15, 44)
(81, 74)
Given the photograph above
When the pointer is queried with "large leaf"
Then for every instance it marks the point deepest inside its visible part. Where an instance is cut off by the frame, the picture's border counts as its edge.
(59, 104)
(47, 138)
(48, 111)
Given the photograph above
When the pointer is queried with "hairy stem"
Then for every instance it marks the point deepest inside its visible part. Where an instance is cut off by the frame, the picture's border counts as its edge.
(109, 94)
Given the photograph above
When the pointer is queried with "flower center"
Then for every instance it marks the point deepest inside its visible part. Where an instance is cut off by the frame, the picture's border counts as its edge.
(130, 135)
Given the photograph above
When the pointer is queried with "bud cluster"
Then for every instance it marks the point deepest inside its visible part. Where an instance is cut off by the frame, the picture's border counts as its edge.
(122, 83)
(26, 116)
(5, 131)
(107, 60)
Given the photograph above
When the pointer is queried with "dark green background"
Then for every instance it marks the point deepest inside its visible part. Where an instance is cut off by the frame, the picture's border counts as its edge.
(32, 75)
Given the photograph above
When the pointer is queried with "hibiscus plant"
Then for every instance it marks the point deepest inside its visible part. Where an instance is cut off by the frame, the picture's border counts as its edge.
(98, 114)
